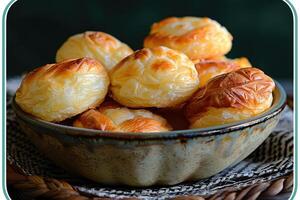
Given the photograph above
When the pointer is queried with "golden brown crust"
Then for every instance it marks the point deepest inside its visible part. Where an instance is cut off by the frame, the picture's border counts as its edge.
(242, 62)
(98, 45)
(64, 68)
(107, 41)
(244, 89)
(208, 69)
(55, 92)
(108, 104)
(155, 77)
(111, 116)
(198, 38)
(93, 119)
(142, 124)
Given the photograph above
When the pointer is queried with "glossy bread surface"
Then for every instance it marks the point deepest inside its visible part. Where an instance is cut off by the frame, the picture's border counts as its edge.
(208, 69)
(154, 77)
(113, 117)
(99, 45)
(231, 97)
(198, 38)
(55, 92)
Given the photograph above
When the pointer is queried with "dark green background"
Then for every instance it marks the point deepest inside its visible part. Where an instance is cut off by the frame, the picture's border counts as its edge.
(262, 29)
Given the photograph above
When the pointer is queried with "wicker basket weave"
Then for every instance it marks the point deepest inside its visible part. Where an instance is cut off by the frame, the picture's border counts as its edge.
(38, 187)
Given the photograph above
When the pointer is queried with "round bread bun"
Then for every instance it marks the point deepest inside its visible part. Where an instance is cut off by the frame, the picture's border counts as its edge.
(113, 117)
(208, 69)
(55, 92)
(230, 97)
(154, 77)
(198, 38)
(243, 62)
(98, 45)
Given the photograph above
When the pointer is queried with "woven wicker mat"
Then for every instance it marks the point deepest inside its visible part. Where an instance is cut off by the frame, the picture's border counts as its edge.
(272, 160)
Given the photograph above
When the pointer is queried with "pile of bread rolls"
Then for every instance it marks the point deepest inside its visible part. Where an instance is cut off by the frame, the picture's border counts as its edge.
(101, 83)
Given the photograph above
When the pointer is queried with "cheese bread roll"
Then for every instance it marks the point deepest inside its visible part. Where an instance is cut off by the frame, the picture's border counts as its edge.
(208, 69)
(198, 38)
(154, 77)
(101, 46)
(230, 97)
(113, 117)
(55, 92)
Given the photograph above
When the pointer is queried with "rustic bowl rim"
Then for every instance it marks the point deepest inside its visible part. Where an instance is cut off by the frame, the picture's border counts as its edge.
(83, 133)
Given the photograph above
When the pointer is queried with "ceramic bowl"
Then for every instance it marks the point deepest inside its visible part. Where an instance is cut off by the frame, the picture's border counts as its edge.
(145, 159)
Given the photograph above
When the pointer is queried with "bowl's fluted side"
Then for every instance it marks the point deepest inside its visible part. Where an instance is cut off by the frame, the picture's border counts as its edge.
(148, 162)
(144, 159)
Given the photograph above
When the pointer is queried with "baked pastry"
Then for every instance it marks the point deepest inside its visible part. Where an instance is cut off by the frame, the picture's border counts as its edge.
(113, 117)
(101, 46)
(242, 61)
(154, 77)
(198, 38)
(230, 97)
(55, 92)
(208, 69)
